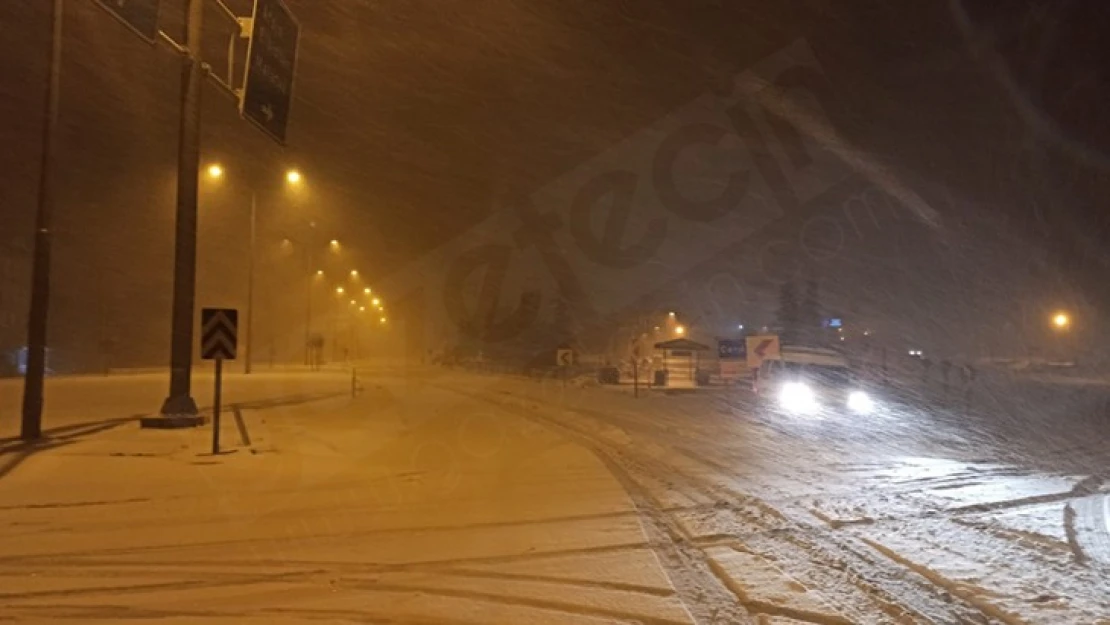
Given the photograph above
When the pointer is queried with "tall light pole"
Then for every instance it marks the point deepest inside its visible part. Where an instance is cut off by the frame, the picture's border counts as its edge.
(179, 402)
(292, 177)
(35, 373)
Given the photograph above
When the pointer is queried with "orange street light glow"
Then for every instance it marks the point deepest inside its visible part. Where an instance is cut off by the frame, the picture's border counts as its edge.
(215, 171)
(339, 290)
(293, 176)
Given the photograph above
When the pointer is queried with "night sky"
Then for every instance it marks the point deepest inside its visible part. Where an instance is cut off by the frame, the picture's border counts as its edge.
(414, 120)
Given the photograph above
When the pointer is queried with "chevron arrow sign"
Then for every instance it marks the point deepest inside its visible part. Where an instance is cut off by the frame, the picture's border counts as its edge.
(219, 332)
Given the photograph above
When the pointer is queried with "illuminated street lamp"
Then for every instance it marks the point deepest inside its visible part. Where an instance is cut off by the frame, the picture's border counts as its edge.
(319, 272)
(680, 330)
(339, 290)
(381, 320)
(293, 176)
(354, 273)
(376, 302)
(1061, 321)
(215, 171)
(366, 290)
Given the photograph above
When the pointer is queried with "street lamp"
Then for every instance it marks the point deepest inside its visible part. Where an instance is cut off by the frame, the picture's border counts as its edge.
(680, 330)
(376, 302)
(354, 273)
(339, 290)
(366, 290)
(293, 176)
(1061, 321)
(215, 171)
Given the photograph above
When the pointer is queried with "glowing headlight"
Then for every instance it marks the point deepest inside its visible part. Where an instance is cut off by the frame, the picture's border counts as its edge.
(858, 401)
(797, 397)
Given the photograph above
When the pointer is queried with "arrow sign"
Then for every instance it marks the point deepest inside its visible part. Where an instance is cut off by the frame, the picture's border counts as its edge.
(140, 16)
(760, 347)
(219, 333)
(564, 357)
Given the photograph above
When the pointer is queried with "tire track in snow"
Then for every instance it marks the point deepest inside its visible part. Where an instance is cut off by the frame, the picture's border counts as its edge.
(884, 584)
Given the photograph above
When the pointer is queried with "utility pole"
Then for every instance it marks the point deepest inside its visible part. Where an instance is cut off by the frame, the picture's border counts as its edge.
(34, 376)
(180, 402)
(250, 287)
(310, 272)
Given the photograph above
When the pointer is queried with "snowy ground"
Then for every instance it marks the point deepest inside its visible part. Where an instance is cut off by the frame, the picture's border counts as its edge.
(446, 497)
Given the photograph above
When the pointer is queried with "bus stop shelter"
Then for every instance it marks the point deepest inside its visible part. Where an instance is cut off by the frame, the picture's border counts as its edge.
(681, 359)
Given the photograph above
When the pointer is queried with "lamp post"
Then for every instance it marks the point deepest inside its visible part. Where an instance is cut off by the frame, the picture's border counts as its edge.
(292, 177)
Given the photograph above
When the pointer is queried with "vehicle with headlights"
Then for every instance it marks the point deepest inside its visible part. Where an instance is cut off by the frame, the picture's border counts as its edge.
(810, 381)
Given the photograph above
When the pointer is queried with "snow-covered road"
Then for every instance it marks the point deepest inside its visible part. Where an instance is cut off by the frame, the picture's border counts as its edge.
(908, 516)
(408, 504)
(448, 497)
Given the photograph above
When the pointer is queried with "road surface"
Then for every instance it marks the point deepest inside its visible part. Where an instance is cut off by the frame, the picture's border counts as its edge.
(442, 496)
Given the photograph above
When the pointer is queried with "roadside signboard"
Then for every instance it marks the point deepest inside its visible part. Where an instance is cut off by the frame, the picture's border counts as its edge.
(140, 16)
(732, 349)
(760, 347)
(219, 333)
(564, 357)
(271, 65)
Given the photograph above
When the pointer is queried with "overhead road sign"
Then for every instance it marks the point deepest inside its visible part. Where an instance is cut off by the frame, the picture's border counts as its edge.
(271, 65)
(140, 16)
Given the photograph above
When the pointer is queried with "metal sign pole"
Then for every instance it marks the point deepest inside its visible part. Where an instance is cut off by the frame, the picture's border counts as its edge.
(33, 380)
(218, 387)
(180, 400)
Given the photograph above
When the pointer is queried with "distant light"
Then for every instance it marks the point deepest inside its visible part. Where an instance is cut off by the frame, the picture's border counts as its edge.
(334, 243)
(1061, 320)
(366, 290)
(339, 290)
(353, 303)
(376, 301)
(842, 338)
(293, 176)
(670, 314)
(656, 328)
(319, 272)
(362, 309)
(215, 171)
(741, 327)
(354, 273)
(680, 330)
(382, 320)
(867, 332)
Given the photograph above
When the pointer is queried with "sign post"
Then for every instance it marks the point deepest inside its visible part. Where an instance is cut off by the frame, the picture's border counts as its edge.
(219, 339)
(563, 358)
(271, 65)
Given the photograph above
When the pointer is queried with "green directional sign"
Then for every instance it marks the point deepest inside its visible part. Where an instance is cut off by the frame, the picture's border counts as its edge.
(140, 16)
(271, 64)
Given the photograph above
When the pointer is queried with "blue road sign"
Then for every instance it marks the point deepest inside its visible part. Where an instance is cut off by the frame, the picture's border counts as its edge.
(271, 64)
(732, 349)
(140, 16)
